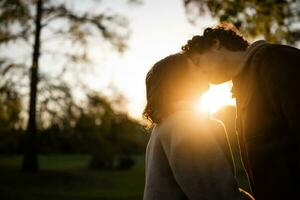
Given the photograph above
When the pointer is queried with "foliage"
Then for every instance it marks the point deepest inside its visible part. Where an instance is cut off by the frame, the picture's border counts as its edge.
(111, 136)
(29, 24)
(62, 25)
(98, 129)
(10, 117)
(10, 108)
(276, 20)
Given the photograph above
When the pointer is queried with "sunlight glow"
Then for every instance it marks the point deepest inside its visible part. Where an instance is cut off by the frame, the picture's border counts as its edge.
(216, 97)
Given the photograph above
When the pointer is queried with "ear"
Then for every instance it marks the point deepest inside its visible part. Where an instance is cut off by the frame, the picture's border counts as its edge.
(216, 45)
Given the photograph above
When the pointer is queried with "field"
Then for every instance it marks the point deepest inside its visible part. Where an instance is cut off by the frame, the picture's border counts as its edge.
(66, 177)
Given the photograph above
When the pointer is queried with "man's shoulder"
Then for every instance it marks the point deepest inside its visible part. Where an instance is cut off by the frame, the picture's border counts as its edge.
(271, 52)
(275, 59)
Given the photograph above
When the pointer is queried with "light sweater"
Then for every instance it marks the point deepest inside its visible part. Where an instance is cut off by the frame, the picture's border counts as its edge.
(184, 161)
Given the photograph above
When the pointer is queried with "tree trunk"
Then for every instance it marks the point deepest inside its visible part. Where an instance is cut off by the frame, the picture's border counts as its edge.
(30, 162)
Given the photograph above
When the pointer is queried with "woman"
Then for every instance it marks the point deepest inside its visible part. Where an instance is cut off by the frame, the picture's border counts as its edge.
(187, 156)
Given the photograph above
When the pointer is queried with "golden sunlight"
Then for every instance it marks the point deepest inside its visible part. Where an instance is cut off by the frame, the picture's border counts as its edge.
(216, 97)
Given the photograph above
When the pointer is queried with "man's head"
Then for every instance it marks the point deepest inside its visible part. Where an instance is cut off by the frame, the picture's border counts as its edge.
(216, 52)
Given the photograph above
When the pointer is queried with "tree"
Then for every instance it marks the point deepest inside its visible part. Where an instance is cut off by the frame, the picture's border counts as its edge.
(26, 21)
(110, 135)
(10, 108)
(276, 20)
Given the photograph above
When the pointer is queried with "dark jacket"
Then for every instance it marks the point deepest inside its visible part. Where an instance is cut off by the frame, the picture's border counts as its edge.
(268, 120)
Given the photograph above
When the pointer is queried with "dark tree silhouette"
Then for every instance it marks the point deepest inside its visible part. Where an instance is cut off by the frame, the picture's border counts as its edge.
(30, 163)
(276, 20)
(25, 22)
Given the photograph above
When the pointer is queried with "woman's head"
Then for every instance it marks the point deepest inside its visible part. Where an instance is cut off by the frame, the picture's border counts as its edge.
(171, 80)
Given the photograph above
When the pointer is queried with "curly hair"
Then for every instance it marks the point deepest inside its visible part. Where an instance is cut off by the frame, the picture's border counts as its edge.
(228, 36)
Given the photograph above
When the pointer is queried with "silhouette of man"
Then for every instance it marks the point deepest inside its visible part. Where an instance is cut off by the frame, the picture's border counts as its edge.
(266, 85)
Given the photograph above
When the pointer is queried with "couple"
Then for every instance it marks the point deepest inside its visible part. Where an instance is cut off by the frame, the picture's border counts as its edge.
(188, 155)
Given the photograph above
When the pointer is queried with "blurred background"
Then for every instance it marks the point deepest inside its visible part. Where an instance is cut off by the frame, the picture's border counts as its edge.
(72, 87)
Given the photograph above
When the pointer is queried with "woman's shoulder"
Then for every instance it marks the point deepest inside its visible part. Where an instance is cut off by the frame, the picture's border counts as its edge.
(185, 124)
(189, 130)
(183, 118)
(187, 119)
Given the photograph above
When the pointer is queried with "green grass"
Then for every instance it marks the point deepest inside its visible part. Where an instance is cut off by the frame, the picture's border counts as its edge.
(68, 177)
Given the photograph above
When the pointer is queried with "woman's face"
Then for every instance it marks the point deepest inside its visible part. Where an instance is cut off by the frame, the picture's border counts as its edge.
(214, 64)
(194, 82)
(197, 77)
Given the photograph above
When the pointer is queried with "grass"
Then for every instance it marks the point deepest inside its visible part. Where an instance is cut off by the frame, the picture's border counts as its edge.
(67, 177)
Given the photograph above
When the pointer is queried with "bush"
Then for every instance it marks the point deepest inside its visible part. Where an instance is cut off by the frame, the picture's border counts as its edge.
(126, 162)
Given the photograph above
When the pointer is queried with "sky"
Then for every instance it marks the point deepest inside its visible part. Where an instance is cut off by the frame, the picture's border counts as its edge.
(159, 28)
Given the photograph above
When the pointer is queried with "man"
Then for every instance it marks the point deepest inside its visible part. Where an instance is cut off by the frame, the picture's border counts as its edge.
(266, 84)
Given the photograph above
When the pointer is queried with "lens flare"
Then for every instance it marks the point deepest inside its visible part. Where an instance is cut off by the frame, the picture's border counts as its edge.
(216, 97)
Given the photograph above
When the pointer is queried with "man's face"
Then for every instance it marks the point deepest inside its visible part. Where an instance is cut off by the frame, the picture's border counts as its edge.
(214, 64)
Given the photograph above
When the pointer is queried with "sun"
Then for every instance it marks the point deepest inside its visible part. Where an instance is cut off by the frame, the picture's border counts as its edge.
(216, 97)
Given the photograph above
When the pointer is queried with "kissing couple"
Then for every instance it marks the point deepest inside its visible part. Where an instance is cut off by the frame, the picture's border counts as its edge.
(188, 156)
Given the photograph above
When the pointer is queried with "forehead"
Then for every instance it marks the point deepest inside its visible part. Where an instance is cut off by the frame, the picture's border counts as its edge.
(204, 57)
(190, 61)
(195, 56)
